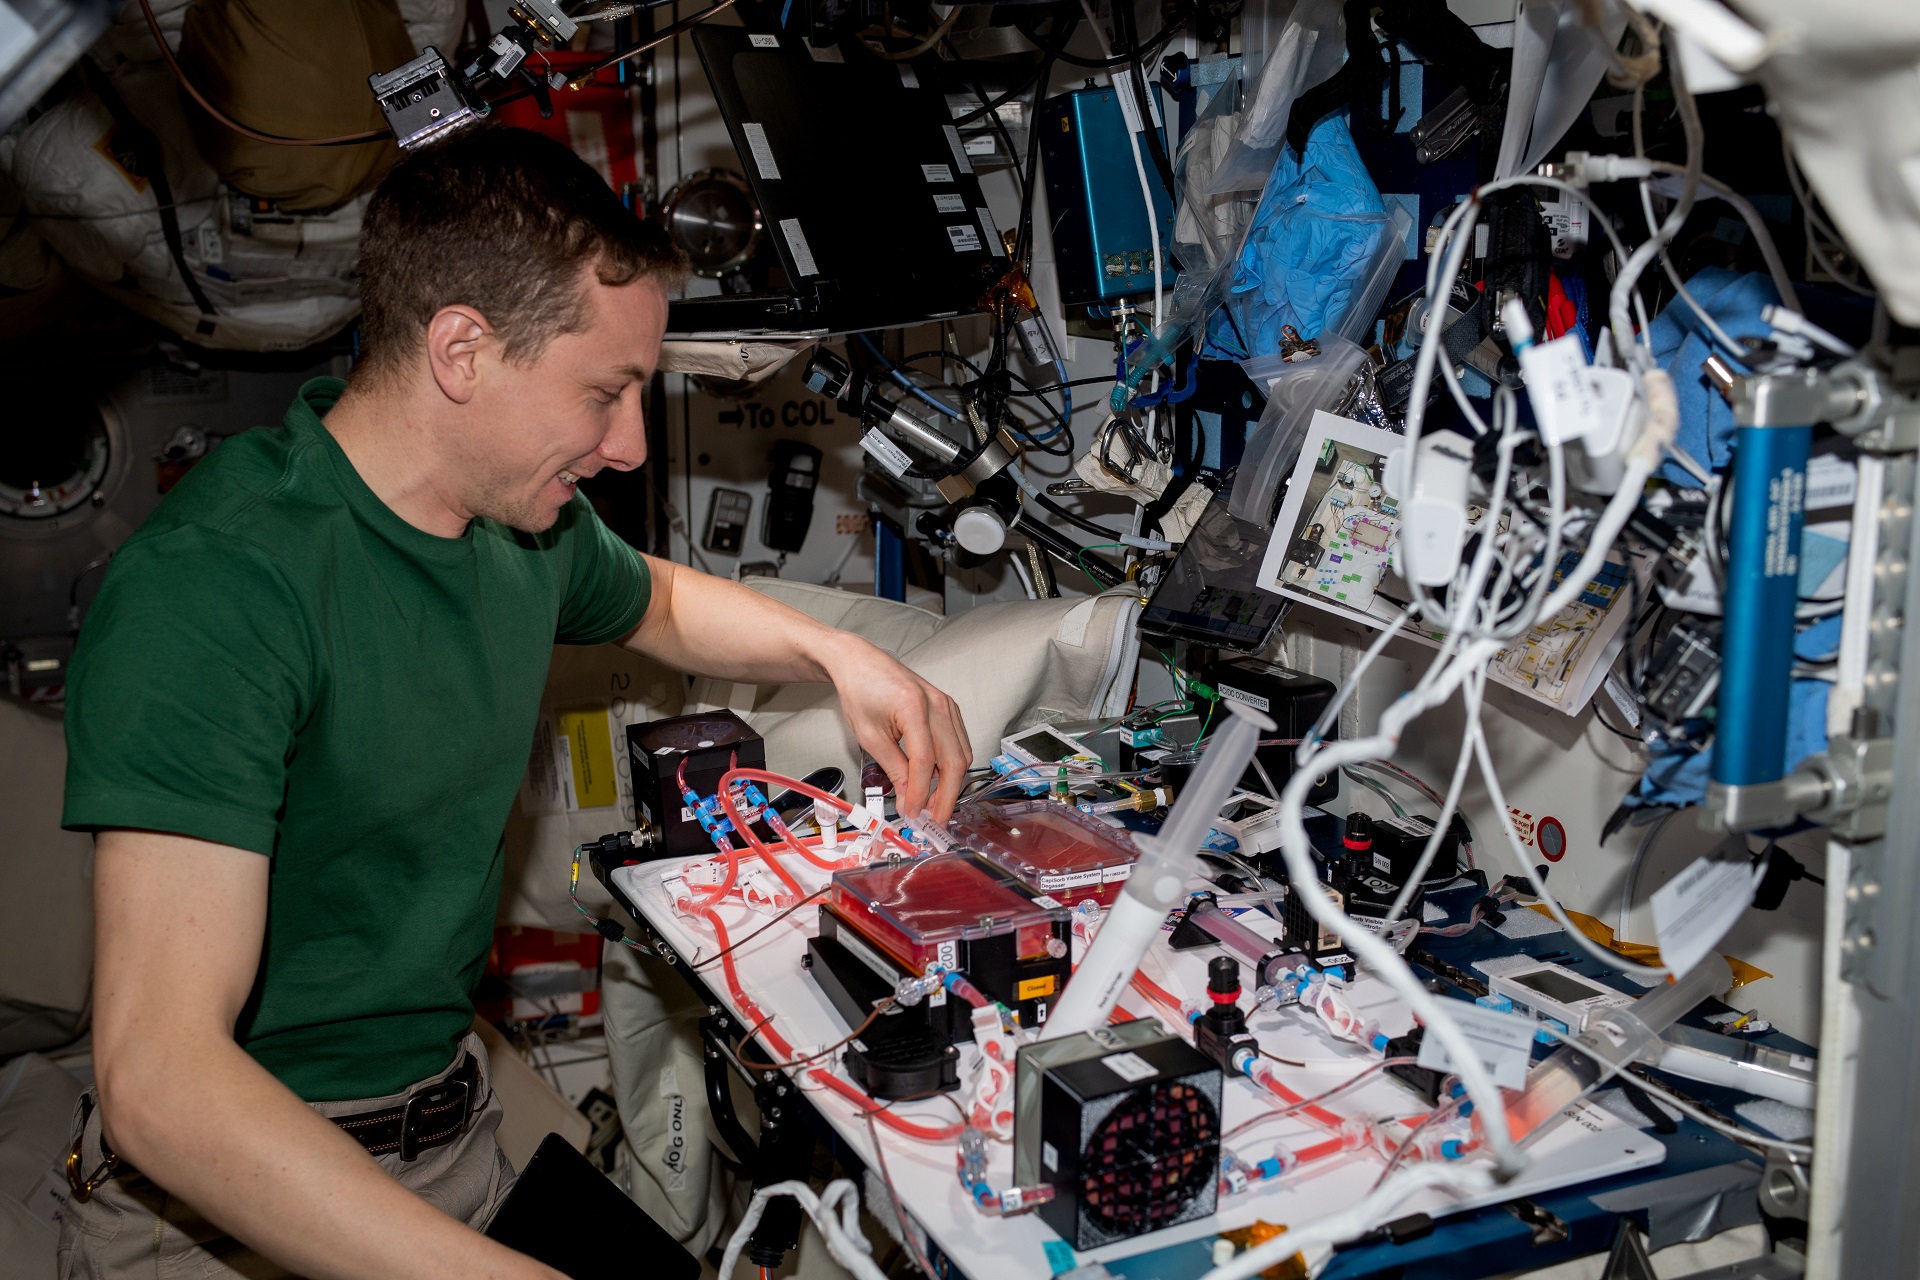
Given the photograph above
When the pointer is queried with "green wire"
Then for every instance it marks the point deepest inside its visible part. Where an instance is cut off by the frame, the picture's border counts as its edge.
(1080, 556)
(1211, 708)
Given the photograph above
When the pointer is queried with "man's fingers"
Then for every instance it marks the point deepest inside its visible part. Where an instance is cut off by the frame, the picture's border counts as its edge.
(887, 756)
(916, 739)
(954, 753)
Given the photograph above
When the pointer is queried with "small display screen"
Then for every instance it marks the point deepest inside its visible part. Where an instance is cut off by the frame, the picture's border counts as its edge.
(1047, 746)
(1557, 986)
(1208, 595)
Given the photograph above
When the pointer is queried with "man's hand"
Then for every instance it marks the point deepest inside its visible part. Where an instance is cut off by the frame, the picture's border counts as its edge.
(710, 626)
(912, 730)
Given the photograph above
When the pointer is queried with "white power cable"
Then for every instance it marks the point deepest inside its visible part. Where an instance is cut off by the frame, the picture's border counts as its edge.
(845, 1240)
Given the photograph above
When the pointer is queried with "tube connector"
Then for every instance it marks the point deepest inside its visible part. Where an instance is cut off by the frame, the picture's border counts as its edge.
(1581, 169)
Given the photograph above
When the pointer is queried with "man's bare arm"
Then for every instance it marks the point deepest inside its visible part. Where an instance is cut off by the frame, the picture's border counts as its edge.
(710, 626)
(180, 923)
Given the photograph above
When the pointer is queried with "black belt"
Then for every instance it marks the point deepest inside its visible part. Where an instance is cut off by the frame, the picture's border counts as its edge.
(433, 1115)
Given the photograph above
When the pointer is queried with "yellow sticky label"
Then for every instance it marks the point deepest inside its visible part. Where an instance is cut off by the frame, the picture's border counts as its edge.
(1034, 988)
(590, 744)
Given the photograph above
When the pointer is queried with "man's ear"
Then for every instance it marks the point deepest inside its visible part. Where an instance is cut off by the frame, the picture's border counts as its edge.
(454, 336)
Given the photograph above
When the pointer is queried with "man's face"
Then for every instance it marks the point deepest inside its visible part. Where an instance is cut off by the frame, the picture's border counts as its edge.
(540, 427)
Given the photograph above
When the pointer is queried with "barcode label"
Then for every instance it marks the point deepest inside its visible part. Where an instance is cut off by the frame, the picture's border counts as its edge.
(936, 173)
(886, 452)
(764, 42)
(762, 153)
(965, 238)
(949, 202)
(988, 229)
(797, 242)
(959, 149)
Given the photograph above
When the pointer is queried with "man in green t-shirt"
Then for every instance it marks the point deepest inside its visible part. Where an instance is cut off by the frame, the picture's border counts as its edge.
(300, 711)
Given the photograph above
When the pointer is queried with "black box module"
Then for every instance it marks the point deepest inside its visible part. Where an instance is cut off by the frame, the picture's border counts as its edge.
(1398, 844)
(709, 742)
(1293, 698)
(1130, 1141)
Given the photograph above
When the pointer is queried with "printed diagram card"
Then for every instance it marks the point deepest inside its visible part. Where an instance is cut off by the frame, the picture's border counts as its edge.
(1333, 547)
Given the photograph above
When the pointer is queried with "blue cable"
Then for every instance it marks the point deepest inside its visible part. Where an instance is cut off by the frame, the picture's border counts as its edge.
(905, 381)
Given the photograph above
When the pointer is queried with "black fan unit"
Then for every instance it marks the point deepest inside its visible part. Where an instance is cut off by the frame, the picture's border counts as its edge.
(1129, 1138)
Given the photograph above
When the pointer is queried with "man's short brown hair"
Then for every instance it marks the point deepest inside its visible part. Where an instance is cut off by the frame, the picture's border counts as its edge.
(504, 221)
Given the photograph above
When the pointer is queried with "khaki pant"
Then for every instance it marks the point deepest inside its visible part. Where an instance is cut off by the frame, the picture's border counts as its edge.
(132, 1227)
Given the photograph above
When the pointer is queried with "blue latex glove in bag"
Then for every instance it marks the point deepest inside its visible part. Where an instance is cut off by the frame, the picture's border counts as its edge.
(1307, 252)
(1680, 343)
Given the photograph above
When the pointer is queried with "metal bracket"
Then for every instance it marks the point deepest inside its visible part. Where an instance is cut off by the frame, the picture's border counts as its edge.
(1847, 789)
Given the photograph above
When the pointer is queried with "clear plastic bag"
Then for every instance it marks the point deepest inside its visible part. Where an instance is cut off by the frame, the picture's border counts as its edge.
(1310, 47)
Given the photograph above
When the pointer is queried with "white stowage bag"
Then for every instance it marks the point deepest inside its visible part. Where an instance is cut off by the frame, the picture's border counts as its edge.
(433, 22)
(276, 282)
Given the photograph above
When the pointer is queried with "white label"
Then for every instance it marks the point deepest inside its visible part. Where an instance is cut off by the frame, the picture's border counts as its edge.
(965, 238)
(762, 153)
(1800, 1062)
(980, 144)
(988, 229)
(1566, 219)
(48, 1203)
(1382, 863)
(885, 452)
(1622, 698)
(1556, 374)
(686, 814)
(764, 42)
(797, 243)
(1047, 901)
(1253, 700)
(907, 77)
(949, 202)
(1109, 874)
(1069, 880)
(1694, 910)
(959, 150)
(1123, 90)
(1503, 1041)
(1130, 1067)
(936, 173)
(1830, 482)
(949, 954)
(1049, 1156)
(1592, 1117)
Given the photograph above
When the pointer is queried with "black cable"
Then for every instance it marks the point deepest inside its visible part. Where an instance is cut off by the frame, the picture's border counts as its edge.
(1151, 47)
(1137, 77)
(1082, 522)
(1039, 73)
(1006, 139)
(1063, 549)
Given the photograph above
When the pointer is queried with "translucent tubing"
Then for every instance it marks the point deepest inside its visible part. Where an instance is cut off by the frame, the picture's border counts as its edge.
(1616, 1037)
(1261, 1072)
(970, 1160)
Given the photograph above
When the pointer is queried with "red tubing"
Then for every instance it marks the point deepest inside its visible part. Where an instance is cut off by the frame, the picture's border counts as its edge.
(745, 828)
(791, 784)
(778, 1043)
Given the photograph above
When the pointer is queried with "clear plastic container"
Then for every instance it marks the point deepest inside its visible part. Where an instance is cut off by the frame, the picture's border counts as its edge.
(1051, 848)
(909, 908)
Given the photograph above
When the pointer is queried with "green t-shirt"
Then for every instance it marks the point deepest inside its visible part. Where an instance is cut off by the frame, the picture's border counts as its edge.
(277, 661)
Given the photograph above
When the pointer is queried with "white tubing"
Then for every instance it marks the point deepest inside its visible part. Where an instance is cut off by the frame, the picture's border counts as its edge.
(846, 1242)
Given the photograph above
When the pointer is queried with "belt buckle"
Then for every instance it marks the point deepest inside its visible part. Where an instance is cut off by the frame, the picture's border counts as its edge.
(456, 1092)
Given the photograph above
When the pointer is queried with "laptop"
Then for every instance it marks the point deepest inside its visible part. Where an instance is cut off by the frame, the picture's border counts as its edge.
(564, 1212)
(864, 186)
